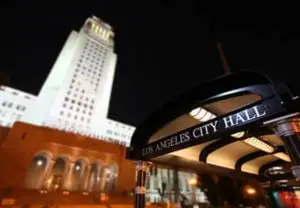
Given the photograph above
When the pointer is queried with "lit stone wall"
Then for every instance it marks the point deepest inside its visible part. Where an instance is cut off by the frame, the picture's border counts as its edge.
(156, 177)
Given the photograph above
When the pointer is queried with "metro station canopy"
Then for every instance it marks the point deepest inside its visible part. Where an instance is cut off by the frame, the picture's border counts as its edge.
(223, 122)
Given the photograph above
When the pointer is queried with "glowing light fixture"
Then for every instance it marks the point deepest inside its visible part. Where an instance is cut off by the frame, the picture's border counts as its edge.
(238, 135)
(203, 115)
(282, 181)
(259, 144)
(39, 163)
(251, 191)
(283, 156)
(77, 167)
(193, 181)
(277, 168)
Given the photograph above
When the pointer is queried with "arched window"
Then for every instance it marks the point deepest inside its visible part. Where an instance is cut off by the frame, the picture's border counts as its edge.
(57, 175)
(77, 175)
(36, 172)
(110, 175)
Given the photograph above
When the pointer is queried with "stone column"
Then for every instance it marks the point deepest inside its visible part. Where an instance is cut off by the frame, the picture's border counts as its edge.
(46, 178)
(87, 177)
(176, 185)
(103, 180)
(81, 185)
(284, 130)
(140, 184)
(68, 177)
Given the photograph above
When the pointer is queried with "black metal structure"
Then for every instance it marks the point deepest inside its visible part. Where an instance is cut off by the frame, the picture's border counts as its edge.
(277, 103)
(253, 156)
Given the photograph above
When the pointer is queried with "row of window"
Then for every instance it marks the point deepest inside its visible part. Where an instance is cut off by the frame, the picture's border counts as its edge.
(79, 103)
(93, 44)
(75, 117)
(90, 65)
(14, 116)
(110, 132)
(89, 71)
(69, 126)
(80, 97)
(78, 129)
(11, 105)
(100, 31)
(94, 80)
(14, 92)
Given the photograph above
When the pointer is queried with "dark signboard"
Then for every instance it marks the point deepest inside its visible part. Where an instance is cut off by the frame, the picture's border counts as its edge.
(276, 101)
(238, 120)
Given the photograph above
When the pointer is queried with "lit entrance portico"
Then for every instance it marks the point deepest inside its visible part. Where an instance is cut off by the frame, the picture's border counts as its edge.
(240, 122)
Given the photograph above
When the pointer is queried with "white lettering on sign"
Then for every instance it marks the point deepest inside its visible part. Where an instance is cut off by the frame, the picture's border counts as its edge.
(207, 129)
(242, 117)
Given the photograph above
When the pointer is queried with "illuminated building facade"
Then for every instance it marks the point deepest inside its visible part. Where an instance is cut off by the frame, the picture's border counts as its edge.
(57, 153)
(76, 94)
(47, 162)
(59, 126)
(13, 105)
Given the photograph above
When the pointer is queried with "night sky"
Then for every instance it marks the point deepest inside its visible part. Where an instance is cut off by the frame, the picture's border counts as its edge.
(163, 49)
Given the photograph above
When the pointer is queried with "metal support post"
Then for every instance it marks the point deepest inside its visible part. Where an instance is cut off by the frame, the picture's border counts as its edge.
(141, 168)
(284, 130)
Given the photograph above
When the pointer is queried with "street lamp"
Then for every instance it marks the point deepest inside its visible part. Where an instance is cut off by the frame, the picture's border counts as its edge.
(193, 182)
(39, 163)
(77, 167)
(250, 191)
